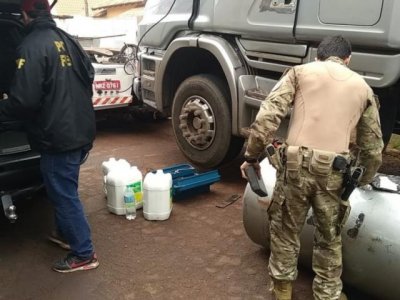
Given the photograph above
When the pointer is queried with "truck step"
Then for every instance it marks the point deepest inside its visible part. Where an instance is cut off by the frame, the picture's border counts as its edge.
(257, 93)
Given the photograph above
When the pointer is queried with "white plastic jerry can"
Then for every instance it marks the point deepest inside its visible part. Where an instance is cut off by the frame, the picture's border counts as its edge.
(106, 168)
(112, 164)
(157, 196)
(135, 182)
(107, 165)
(115, 186)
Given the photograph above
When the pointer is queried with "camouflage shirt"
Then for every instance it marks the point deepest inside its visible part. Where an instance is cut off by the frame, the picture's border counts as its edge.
(280, 100)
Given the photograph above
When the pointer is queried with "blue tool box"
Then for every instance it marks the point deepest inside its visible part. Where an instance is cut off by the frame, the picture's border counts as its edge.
(187, 181)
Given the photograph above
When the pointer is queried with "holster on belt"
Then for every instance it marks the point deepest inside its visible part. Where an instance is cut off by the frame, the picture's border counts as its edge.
(274, 157)
(294, 159)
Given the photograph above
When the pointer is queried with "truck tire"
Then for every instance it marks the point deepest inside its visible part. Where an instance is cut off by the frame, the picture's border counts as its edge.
(389, 101)
(202, 122)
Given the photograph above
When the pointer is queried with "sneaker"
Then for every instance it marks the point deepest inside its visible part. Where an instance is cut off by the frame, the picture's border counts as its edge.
(73, 263)
(57, 239)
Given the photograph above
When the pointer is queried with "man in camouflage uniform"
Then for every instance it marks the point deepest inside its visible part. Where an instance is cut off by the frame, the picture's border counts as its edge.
(329, 102)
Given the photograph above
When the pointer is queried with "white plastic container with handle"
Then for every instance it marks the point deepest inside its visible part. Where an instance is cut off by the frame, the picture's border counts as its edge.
(157, 196)
(116, 181)
(112, 164)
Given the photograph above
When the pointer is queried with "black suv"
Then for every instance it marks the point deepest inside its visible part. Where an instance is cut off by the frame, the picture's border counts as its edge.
(19, 165)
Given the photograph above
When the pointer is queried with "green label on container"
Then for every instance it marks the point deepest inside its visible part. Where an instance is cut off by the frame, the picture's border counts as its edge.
(137, 190)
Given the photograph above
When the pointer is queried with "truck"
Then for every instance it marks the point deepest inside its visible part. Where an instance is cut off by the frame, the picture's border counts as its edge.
(110, 43)
(209, 64)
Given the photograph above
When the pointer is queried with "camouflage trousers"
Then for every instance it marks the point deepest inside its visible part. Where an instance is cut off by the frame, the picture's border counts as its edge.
(293, 197)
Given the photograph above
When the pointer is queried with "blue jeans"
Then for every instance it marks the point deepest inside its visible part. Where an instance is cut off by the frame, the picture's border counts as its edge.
(60, 173)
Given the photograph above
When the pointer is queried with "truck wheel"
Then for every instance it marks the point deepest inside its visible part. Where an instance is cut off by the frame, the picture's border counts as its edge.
(388, 111)
(202, 121)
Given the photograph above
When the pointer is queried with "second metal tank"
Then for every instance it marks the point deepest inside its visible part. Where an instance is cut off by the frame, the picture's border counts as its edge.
(371, 243)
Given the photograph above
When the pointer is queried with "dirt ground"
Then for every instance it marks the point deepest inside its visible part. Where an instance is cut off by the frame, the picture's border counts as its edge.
(200, 252)
(391, 162)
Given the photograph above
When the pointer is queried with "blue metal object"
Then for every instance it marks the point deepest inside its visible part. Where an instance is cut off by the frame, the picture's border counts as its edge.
(181, 170)
(187, 181)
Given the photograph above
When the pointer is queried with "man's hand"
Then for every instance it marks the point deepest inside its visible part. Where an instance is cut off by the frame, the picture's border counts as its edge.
(245, 165)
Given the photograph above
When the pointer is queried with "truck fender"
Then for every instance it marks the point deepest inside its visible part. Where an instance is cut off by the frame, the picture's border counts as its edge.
(228, 58)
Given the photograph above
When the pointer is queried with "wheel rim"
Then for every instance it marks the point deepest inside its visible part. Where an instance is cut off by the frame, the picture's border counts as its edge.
(197, 122)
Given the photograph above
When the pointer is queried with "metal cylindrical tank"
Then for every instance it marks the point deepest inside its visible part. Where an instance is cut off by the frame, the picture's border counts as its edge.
(371, 243)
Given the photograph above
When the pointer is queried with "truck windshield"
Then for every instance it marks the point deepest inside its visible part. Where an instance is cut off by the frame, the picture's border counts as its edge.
(161, 7)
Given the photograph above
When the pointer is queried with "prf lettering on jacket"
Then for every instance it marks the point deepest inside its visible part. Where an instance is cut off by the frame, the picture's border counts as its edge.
(65, 59)
(20, 63)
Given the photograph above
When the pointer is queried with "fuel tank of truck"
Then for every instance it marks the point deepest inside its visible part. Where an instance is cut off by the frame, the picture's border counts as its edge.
(371, 243)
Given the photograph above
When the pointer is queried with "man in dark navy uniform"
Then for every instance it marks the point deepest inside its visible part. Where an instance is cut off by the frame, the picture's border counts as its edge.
(52, 91)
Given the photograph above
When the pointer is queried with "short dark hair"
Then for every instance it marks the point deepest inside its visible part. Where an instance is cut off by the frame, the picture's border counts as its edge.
(40, 10)
(334, 46)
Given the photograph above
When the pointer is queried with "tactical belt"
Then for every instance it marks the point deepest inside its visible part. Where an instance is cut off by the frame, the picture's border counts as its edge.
(316, 161)
(340, 163)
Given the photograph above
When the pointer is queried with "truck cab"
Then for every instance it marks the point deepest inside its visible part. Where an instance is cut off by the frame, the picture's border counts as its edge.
(209, 64)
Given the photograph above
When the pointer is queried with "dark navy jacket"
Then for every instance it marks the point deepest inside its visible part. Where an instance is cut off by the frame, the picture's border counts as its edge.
(52, 90)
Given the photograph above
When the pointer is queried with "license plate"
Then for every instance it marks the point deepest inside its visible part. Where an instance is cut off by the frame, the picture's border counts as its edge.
(107, 85)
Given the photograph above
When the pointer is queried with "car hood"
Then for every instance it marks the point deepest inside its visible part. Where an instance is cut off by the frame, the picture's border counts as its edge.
(10, 6)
